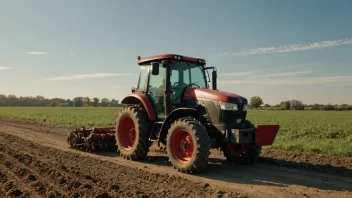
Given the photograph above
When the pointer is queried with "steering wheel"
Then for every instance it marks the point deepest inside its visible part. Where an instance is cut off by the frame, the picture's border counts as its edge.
(177, 84)
(193, 84)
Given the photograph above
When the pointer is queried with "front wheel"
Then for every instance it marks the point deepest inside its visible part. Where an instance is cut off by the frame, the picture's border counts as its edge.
(242, 153)
(188, 145)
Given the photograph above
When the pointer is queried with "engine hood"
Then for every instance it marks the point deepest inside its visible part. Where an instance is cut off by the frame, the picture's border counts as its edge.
(209, 94)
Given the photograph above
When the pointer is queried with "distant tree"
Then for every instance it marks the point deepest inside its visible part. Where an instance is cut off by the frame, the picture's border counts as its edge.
(104, 102)
(267, 105)
(114, 103)
(95, 102)
(296, 105)
(86, 101)
(69, 103)
(78, 102)
(53, 104)
(314, 107)
(342, 107)
(255, 101)
(285, 105)
(328, 107)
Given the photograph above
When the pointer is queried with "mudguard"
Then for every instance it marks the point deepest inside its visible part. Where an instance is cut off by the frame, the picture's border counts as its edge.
(174, 115)
(136, 98)
(266, 134)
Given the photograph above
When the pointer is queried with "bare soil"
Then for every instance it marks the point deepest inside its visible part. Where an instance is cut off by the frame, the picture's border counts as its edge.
(36, 161)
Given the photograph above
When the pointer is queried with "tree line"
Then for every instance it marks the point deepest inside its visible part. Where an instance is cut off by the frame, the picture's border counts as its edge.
(254, 102)
(41, 101)
(257, 102)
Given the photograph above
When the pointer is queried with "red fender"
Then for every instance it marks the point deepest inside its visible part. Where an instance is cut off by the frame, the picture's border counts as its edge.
(266, 134)
(136, 98)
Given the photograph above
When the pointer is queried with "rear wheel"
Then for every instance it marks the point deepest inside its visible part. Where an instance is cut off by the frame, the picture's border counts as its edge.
(132, 133)
(188, 145)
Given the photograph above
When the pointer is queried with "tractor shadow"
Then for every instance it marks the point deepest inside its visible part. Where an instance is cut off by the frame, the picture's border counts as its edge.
(270, 172)
(266, 172)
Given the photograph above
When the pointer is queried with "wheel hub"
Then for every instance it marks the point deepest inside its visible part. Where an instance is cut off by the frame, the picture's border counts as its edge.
(131, 132)
(182, 146)
(185, 145)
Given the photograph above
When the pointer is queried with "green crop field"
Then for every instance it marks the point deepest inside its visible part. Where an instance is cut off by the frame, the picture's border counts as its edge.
(324, 132)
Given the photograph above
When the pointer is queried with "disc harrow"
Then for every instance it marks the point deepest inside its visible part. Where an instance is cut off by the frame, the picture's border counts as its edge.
(91, 140)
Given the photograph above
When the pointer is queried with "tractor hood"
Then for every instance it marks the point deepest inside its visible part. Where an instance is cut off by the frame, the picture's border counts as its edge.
(209, 94)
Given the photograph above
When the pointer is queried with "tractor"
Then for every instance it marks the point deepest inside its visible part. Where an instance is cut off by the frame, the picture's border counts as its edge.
(174, 107)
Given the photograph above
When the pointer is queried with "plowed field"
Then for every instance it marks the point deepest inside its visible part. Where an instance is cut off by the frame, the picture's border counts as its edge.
(35, 161)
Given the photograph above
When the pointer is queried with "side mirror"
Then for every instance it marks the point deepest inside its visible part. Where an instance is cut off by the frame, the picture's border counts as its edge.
(155, 69)
(214, 79)
(133, 89)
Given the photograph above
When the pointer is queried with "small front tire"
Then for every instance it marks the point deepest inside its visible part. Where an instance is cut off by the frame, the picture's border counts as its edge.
(188, 145)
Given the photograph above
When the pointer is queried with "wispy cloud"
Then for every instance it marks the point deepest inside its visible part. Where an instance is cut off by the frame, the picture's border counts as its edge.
(293, 66)
(285, 74)
(85, 76)
(340, 84)
(247, 73)
(36, 53)
(72, 54)
(239, 73)
(4, 68)
(328, 80)
(289, 48)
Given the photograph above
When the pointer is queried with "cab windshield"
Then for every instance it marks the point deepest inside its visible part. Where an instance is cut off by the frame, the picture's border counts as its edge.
(185, 74)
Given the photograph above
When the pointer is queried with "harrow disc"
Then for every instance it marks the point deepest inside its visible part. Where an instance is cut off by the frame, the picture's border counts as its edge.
(92, 140)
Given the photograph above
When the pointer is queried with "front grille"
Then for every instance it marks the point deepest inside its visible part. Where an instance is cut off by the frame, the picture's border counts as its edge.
(231, 117)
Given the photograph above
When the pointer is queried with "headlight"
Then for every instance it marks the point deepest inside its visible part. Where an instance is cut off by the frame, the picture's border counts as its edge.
(245, 107)
(228, 106)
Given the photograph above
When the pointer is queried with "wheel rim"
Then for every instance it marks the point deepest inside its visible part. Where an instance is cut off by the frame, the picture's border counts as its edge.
(182, 146)
(236, 150)
(126, 133)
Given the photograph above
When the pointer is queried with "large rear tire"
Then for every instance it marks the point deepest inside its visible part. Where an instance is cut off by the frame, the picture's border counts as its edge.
(188, 145)
(132, 133)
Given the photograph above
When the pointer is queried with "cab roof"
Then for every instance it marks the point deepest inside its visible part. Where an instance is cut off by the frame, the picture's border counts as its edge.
(149, 59)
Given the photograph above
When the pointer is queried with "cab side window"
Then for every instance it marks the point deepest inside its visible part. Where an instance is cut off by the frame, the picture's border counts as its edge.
(143, 78)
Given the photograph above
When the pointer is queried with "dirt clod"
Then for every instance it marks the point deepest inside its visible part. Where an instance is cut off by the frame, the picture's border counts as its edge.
(31, 177)
(8, 186)
(114, 187)
(103, 195)
(14, 193)
(88, 186)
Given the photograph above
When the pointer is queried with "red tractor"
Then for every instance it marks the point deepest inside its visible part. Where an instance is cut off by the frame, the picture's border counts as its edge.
(174, 106)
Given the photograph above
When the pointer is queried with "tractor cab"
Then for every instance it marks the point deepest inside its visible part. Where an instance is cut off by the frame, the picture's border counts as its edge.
(164, 80)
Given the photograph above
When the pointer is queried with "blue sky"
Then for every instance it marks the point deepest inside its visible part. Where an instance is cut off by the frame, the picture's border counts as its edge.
(279, 50)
